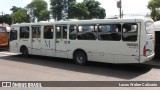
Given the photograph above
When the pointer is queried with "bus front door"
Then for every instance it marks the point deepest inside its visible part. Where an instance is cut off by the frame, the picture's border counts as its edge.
(61, 41)
(36, 40)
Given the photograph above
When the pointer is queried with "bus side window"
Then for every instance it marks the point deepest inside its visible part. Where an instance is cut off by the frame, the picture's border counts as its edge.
(48, 32)
(110, 32)
(72, 32)
(24, 32)
(36, 31)
(87, 32)
(64, 32)
(130, 32)
(58, 32)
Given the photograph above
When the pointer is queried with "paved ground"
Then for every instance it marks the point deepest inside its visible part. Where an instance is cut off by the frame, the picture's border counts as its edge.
(37, 68)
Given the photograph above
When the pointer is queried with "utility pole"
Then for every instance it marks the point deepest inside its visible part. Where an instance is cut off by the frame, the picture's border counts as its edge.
(119, 5)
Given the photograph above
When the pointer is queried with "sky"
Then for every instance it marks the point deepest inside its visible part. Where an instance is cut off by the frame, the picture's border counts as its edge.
(129, 6)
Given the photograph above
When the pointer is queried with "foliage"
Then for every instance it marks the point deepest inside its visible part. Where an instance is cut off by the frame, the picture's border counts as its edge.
(38, 9)
(77, 10)
(154, 6)
(44, 15)
(56, 9)
(88, 9)
(6, 19)
(15, 9)
(20, 16)
(95, 10)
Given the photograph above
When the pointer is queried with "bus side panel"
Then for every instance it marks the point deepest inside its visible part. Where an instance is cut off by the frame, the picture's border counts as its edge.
(95, 50)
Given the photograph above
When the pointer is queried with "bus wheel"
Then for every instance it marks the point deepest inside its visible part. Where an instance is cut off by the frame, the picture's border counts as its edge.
(80, 58)
(25, 52)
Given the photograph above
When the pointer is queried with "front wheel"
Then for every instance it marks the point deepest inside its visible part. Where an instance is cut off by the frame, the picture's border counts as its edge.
(80, 58)
(25, 52)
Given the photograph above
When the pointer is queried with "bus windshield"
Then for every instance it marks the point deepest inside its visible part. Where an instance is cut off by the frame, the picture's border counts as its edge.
(2, 29)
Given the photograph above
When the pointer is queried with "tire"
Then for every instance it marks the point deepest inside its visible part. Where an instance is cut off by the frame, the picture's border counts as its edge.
(80, 58)
(24, 52)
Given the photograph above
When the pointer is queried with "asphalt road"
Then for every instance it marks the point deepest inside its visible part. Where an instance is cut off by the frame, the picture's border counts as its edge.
(14, 67)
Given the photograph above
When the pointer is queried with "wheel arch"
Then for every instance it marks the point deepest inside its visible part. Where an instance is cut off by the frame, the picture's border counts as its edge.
(23, 47)
(79, 49)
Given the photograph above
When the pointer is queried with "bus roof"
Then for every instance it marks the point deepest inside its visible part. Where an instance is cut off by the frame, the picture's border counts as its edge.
(74, 22)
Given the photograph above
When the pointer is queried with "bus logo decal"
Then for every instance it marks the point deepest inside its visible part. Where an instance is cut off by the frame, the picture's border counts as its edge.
(132, 45)
(47, 43)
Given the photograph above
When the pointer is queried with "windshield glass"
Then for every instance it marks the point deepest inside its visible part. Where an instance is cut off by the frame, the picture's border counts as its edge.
(2, 29)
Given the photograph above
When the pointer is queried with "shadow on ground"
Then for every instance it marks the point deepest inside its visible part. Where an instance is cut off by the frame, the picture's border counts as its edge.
(123, 71)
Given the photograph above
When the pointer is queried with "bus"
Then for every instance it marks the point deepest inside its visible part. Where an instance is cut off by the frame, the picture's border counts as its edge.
(101, 40)
(3, 37)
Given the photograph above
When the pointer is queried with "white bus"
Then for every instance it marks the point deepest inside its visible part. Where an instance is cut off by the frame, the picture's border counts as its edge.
(106, 40)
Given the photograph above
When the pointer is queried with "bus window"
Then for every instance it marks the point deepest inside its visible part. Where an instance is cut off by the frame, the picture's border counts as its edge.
(61, 32)
(111, 32)
(58, 32)
(48, 32)
(3, 30)
(72, 32)
(13, 35)
(36, 31)
(130, 32)
(24, 32)
(64, 32)
(87, 32)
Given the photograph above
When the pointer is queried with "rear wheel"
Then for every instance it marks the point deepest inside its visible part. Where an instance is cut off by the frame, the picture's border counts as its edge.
(80, 58)
(24, 52)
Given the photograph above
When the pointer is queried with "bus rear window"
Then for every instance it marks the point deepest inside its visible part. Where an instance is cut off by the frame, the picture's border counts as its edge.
(2, 29)
(149, 27)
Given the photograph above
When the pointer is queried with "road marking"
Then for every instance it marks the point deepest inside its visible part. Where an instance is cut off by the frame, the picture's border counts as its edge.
(7, 53)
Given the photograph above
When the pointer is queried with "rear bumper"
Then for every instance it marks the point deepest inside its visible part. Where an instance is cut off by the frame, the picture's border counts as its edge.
(149, 58)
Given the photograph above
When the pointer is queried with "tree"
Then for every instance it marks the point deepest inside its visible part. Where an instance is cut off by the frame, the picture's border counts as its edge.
(77, 11)
(20, 16)
(95, 10)
(88, 9)
(37, 8)
(14, 8)
(7, 19)
(154, 6)
(57, 7)
(44, 15)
